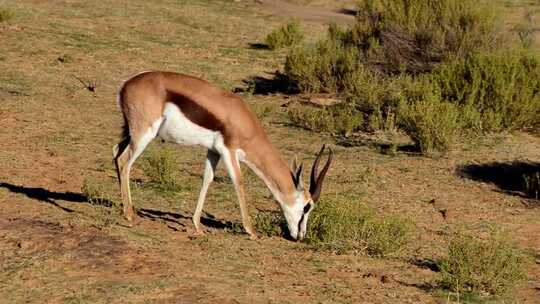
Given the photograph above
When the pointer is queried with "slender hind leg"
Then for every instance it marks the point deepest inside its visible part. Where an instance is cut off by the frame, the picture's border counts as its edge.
(124, 159)
(212, 160)
(233, 168)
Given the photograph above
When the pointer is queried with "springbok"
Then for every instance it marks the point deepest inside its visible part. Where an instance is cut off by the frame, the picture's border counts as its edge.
(190, 111)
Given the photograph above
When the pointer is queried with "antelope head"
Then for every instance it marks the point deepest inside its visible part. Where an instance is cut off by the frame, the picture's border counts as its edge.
(304, 200)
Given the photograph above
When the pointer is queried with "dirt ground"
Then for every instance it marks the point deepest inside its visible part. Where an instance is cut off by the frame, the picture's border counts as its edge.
(56, 137)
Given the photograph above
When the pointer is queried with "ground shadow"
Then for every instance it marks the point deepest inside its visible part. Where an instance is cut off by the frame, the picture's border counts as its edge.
(50, 197)
(207, 220)
(507, 176)
(276, 83)
(426, 264)
(259, 46)
(348, 11)
(384, 147)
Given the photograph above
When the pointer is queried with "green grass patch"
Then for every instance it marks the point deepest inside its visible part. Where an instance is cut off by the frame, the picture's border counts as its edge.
(160, 166)
(287, 35)
(432, 123)
(96, 193)
(495, 91)
(270, 223)
(342, 226)
(492, 266)
(6, 15)
(340, 119)
(399, 36)
(432, 69)
(107, 210)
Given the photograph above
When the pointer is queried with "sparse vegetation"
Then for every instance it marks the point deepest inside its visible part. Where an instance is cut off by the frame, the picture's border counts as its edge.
(57, 135)
(341, 119)
(287, 35)
(269, 223)
(159, 167)
(491, 266)
(429, 68)
(398, 36)
(107, 210)
(345, 227)
(96, 194)
(350, 226)
(6, 14)
(432, 124)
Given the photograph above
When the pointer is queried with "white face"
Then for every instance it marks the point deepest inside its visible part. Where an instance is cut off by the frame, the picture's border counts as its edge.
(297, 215)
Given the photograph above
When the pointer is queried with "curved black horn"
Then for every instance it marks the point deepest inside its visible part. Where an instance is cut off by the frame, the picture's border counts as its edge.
(313, 178)
(316, 181)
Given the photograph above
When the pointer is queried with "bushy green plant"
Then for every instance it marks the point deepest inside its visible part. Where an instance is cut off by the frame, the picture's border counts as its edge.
(96, 193)
(159, 167)
(322, 67)
(430, 68)
(431, 123)
(106, 209)
(6, 14)
(348, 226)
(413, 35)
(287, 35)
(270, 223)
(491, 266)
(386, 235)
(497, 91)
(339, 119)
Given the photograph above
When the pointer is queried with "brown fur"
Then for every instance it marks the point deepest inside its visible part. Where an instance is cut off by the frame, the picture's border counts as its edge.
(142, 100)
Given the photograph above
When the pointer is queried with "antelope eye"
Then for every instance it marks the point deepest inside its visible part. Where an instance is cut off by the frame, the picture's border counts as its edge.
(307, 207)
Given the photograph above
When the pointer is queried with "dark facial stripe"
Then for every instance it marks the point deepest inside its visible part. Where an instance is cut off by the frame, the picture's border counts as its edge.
(300, 222)
(307, 207)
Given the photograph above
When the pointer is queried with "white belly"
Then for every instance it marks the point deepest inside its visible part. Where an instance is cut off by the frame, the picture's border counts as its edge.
(177, 128)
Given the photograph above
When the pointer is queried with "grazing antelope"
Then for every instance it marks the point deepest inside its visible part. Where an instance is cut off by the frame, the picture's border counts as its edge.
(189, 111)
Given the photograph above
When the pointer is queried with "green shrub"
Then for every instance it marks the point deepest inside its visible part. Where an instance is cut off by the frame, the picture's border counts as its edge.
(106, 210)
(497, 91)
(96, 194)
(532, 185)
(413, 35)
(348, 226)
(270, 224)
(339, 119)
(287, 35)
(431, 123)
(491, 266)
(429, 67)
(322, 67)
(5, 15)
(159, 167)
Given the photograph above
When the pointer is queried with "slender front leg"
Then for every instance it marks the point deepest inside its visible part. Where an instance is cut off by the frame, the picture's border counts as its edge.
(212, 160)
(233, 168)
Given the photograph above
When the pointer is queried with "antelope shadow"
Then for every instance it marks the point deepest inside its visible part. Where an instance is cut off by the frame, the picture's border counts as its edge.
(51, 197)
(46, 196)
(207, 220)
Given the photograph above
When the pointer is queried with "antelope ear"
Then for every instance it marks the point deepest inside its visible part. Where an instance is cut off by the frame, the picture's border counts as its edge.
(297, 178)
(294, 165)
